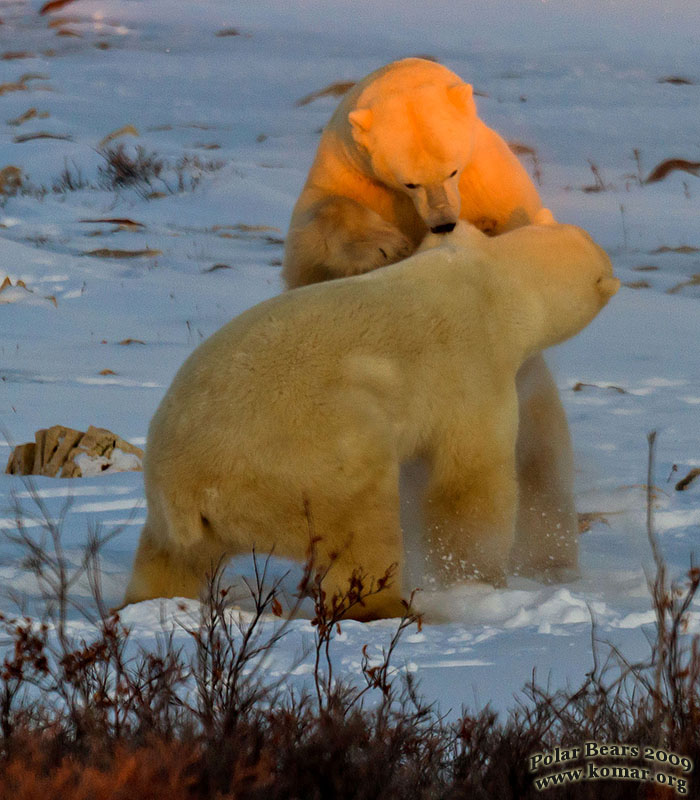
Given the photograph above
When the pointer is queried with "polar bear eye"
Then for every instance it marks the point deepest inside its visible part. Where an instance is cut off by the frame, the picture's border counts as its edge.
(411, 185)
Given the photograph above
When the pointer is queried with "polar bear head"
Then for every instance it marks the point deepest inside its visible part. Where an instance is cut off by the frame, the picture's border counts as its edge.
(418, 140)
(551, 280)
(562, 275)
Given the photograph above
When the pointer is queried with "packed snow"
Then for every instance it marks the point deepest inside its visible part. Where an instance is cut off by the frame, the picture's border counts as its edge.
(120, 284)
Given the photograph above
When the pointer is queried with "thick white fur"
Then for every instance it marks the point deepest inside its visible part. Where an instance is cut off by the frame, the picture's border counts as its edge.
(317, 396)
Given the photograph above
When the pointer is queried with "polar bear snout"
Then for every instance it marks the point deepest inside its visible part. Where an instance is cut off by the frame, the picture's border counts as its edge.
(445, 227)
(438, 205)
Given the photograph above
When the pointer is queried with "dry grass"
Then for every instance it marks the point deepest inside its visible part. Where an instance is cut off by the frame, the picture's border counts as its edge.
(22, 84)
(685, 482)
(684, 249)
(637, 284)
(147, 173)
(337, 89)
(71, 179)
(138, 170)
(106, 252)
(694, 280)
(579, 386)
(54, 5)
(11, 180)
(521, 149)
(15, 55)
(122, 169)
(587, 519)
(30, 137)
(30, 113)
(676, 80)
(598, 184)
(669, 165)
(120, 223)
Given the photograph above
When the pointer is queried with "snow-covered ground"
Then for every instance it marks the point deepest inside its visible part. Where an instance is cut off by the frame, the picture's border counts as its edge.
(580, 83)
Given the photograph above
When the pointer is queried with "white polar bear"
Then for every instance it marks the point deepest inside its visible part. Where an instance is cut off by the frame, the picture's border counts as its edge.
(318, 395)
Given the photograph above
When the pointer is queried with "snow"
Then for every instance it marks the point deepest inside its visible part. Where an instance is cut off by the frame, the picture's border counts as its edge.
(579, 82)
(117, 461)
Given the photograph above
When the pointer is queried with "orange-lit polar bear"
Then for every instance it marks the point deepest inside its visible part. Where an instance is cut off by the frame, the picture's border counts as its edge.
(403, 153)
(318, 395)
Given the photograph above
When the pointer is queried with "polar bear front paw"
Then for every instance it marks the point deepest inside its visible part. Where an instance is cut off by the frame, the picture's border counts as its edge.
(355, 238)
(378, 247)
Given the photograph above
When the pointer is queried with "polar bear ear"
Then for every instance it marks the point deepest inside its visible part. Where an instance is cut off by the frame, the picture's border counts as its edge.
(544, 217)
(607, 287)
(462, 95)
(361, 119)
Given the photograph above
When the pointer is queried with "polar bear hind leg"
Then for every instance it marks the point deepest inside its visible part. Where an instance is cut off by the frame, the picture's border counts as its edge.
(546, 545)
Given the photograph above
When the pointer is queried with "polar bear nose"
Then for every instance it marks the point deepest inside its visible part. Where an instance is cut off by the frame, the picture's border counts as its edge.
(446, 227)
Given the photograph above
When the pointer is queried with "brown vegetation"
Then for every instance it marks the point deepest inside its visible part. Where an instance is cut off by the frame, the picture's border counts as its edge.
(637, 284)
(598, 184)
(685, 482)
(30, 137)
(143, 171)
(664, 168)
(580, 386)
(521, 149)
(684, 249)
(30, 113)
(106, 252)
(677, 80)
(337, 89)
(10, 180)
(694, 280)
(122, 223)
(54, 5)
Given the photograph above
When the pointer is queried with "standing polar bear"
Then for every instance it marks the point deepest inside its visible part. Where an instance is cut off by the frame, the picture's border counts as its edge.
(315, 397)
(405, 153)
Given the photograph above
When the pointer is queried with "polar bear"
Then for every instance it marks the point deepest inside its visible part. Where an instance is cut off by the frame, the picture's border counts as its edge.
(405, 153)
(313, 399)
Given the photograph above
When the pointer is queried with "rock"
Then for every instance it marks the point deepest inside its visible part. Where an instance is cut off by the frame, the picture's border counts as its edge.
(56, 444)
(21, 460)
(74, 454)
